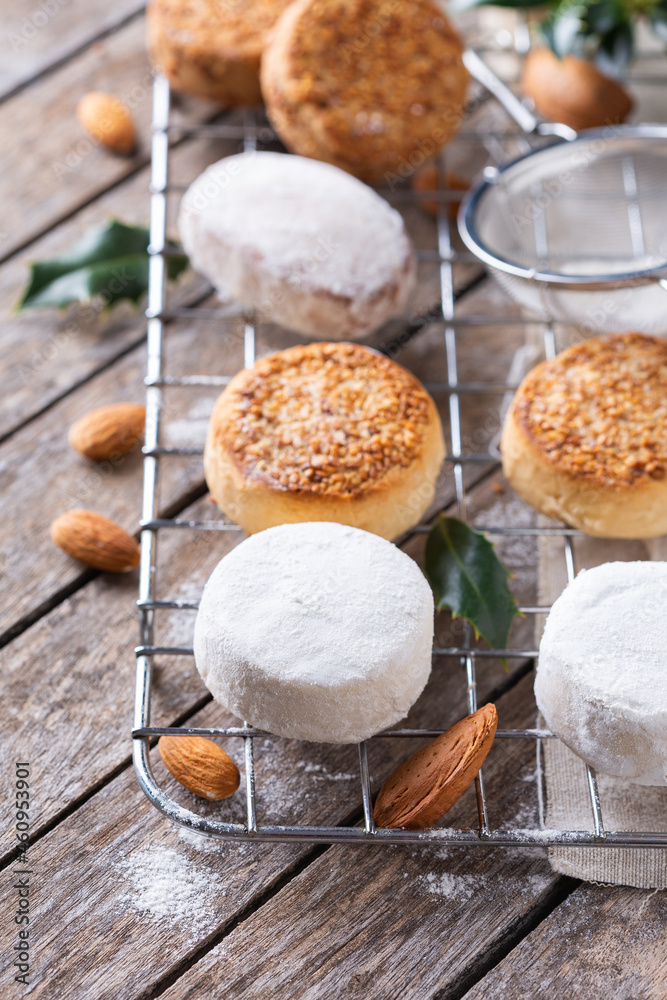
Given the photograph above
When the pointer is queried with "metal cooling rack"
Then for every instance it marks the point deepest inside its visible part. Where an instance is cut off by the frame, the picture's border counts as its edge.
(152, 526)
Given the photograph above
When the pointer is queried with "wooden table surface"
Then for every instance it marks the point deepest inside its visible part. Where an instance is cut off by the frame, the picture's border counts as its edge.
(124, 905)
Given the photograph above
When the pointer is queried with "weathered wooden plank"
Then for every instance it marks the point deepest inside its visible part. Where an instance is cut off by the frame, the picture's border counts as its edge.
(37, 38)
(144, 897)
(81, 654)
(121, 897)
(601, 941)
(59, 167)
(45, 353)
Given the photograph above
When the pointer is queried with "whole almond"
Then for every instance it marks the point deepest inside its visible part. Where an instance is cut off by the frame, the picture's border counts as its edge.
(95, 541)
(108, 121)
(573, 91)
(109, 431)
(427, 785)
(200, 765)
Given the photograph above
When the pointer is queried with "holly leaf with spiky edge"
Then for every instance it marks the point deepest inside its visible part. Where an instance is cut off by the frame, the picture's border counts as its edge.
(468, 579)
(110, 263)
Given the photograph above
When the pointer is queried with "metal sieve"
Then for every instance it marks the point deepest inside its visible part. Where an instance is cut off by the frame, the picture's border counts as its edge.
(576, 230)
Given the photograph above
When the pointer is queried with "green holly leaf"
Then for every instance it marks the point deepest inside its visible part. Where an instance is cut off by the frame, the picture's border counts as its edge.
(468, 578)
(564, 32)
(110, 262)
(600, 30)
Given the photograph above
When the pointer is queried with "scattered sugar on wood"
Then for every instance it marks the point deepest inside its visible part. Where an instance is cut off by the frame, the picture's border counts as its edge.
(203, 844)
(165, 885)
(525, 817)
(448, 886)
(538, 883)
(320, 771)
(460, 888)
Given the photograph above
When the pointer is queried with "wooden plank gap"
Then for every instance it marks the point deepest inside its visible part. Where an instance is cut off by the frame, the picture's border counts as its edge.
(24, 623)
(512, 936)
(73, 807)
(86, 576)
(105, 780)
(105, 366)
(109, 363)
(253, 906)
(142, 163)
(72, 54)
(412, 327)
(511, 681)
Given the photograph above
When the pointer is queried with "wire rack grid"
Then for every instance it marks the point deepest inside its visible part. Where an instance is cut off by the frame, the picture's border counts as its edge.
(144, 734)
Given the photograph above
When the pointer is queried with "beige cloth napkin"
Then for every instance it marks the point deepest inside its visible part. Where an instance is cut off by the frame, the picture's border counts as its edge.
(624, 806)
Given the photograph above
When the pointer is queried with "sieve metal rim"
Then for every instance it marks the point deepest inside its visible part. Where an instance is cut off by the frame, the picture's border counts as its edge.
(472, 200)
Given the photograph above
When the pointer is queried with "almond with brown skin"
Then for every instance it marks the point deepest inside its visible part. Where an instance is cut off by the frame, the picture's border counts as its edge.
(573, 91)
(200, 765)
(427, 785)
(108, 121)
(95, 541)
(109, 431)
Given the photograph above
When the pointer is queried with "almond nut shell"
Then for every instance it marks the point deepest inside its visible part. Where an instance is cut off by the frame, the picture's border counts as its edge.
(422, 789)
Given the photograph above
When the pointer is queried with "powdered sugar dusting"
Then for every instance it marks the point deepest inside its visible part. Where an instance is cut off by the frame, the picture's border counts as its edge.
(525, 815)
(190, 430)
(320, 771)
(304, 243)
(166, 886)
(538, 883)
(461, 888)
(205, 845)
(302, 218)
(448, 886)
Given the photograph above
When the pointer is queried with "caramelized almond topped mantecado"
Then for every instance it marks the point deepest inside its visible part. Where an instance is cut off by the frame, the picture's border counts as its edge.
(585, 439)
(325, 432)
